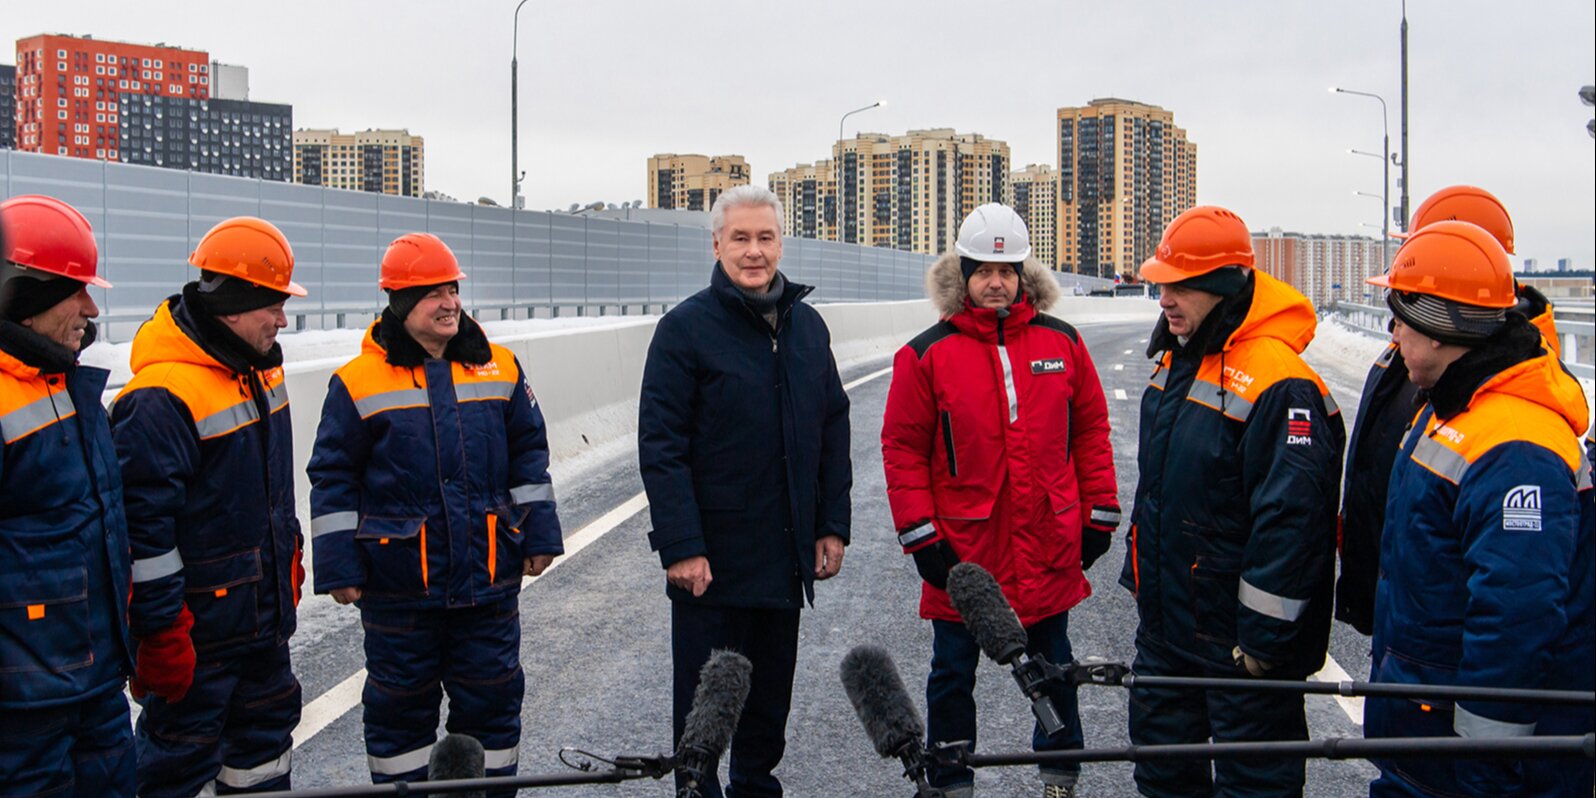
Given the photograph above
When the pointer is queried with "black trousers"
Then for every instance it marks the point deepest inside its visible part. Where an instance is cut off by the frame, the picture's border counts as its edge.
(769, 639)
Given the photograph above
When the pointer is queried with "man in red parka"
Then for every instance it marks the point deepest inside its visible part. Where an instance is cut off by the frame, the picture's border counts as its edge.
(996, 450)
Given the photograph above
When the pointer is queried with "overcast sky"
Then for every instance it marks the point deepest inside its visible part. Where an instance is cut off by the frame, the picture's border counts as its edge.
(605, 85)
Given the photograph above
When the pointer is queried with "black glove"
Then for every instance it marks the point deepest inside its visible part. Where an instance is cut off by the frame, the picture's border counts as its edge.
(1094, 544)
(934, 561)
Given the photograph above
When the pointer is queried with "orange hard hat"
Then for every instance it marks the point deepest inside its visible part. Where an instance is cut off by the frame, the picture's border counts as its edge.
(48, 235)
(251, 249)
(1464, 204)
(1197, 242)
(418, 259)
(1456, 261)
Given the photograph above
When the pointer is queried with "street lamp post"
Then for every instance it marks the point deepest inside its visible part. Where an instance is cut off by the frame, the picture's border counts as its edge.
(840, 122)
(1385, 181)
(515, 171)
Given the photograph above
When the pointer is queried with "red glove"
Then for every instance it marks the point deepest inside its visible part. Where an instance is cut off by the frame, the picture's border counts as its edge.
(299, 572)
(164, 664)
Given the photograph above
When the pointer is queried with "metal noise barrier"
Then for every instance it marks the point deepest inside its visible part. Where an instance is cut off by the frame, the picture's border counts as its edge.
(1116, 674)
(1570, 747)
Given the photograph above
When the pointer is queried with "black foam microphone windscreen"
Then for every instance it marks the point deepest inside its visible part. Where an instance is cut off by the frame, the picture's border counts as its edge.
(717, 703)
(457, 756)
(986, 613)
(870, 678)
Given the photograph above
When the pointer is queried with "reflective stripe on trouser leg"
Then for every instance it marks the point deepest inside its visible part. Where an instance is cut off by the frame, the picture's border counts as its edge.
(257, 738)
(485, 683)
(403, 693)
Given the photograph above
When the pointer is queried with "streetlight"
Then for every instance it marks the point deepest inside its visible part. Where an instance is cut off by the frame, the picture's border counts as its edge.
(840, 122)
(1385, 163)
(515, 171)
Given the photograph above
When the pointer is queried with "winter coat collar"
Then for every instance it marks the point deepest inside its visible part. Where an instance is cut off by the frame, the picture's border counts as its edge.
(1512, 362)
(28, 355)
(1266, 308)
(983, 323)
(387, 337)
(946, 288)
(177, 334)
(731, 297)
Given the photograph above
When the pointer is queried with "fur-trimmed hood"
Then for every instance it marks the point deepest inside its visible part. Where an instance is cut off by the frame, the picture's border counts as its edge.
(945, 286)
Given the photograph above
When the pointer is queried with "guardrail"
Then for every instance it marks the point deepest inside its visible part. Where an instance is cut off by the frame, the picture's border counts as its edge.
(1574, 327)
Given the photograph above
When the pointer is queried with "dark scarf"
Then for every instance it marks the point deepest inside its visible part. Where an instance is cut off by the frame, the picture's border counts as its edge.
(765, 304)
(1516, 342)
(38, 351)
(196, 321)
(468, 347)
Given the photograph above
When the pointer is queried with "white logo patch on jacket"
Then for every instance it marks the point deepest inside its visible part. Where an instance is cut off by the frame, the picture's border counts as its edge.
(1521, 509)
(1053, 365)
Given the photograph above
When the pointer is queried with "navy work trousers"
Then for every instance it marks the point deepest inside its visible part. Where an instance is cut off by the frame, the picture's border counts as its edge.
(769, 639)
(234, 728)
(1161, 716)
(413, 657)
(80, 750)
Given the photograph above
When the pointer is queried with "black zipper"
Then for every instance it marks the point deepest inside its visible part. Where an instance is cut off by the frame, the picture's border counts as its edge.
(947, 443)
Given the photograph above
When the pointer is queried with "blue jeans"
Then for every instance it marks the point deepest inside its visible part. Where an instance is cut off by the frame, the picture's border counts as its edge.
(950, 696)
(79, 750)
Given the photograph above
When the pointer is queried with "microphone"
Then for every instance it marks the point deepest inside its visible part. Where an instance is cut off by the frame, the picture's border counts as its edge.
(457, 756)
(890, 720)
(717, 706)
(997, 630)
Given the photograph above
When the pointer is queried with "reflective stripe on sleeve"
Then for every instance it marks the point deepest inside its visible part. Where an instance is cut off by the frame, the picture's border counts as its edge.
(1101, 516)
(239, 778)
(36, 415)
(916, 536)
(1468, 724)
(400, 764)
(538, 492)
(333, 522)
(1434, 455)
(1265, 603)
(161, 566)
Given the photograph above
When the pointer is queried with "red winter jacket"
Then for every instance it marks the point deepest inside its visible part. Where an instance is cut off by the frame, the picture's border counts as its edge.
(996, 433)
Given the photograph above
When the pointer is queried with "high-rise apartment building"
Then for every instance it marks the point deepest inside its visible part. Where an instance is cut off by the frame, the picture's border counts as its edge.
(692, 182)
(223, 137)
(1033, 193)
(1125, 172)
(808, 194)
(8, 107)
(910, 192)
(70, 88)
(378, 161)
(1325, 268)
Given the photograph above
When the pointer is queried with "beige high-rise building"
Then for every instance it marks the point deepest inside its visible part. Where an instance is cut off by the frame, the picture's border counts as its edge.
(1125, 172)
(692, 182)
(1033, 193)
(808, 194)
(378, 161)
(910, 192)
(1324, 268)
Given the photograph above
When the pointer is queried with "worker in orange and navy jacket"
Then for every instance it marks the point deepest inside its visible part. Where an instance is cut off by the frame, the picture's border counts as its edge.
(1232, 551)
(206, 449)
(1387, 407)
(430, 500)
(64, 647)
(1487, 562)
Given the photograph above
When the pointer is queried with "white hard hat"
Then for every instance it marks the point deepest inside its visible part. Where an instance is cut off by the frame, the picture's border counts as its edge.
(993, 233)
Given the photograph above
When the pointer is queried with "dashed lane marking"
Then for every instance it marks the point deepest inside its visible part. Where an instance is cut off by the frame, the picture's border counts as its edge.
(1119, 393)
(331, 705)
(1119, 366)
(1332, 673)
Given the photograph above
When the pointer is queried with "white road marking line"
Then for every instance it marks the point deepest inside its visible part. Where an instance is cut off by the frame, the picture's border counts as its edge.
(1119, 393)
(1332, 673)
(1130, 351)
(333, 704)
(1119, 366)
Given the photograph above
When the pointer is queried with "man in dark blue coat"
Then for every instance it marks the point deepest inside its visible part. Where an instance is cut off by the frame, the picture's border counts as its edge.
(743, 446)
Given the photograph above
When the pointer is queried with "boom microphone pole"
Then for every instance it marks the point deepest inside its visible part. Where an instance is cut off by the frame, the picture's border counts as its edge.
(1116, 674)
(1567, 747)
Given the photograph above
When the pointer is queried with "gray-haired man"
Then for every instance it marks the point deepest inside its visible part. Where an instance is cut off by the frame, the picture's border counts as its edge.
(743, 445)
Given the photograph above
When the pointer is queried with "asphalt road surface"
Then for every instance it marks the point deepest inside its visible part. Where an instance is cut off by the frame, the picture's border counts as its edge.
(597, 656)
